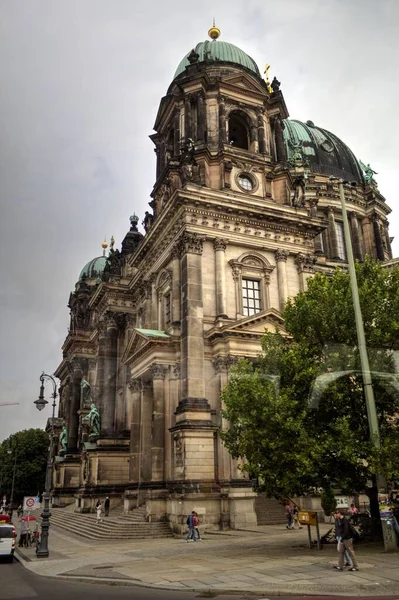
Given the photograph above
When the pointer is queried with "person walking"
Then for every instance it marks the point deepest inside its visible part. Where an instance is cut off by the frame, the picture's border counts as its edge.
(98, 511)
(347, 558)
(196, 524)
(191, 534)
(106, 506)
(288, 515)
(23, 534)
(343, 530)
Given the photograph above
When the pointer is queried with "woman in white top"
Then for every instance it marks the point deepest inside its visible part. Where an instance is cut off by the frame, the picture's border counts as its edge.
(98, 511)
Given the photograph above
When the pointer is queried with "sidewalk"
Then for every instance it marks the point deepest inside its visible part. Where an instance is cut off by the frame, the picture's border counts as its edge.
(267, 560)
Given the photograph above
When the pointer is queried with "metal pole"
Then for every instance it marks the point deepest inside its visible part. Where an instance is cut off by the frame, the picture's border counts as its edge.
(364, 361)
(13, 479)
(42, 550)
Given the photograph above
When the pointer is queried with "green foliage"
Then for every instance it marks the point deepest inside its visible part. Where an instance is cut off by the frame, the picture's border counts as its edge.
(298, 418)
(26, 450)
(328, 501)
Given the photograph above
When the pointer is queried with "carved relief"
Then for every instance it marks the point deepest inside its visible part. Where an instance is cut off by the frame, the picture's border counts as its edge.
(305, 262)
(178, 450)
(134, 385)
(191, 243)
(158, 371)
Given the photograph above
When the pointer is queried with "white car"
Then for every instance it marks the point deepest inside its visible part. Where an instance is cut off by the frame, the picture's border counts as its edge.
(8, 537)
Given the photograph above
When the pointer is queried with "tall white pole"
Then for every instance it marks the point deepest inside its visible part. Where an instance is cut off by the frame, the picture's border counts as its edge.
(364, 360)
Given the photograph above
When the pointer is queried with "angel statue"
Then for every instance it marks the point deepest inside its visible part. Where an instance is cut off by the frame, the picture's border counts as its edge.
(93, 418)
(368, 172)
(85, 388)
(63, 439)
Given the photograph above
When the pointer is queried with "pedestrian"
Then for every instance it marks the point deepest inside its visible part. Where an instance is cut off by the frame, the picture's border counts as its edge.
(106, 506)
(354, 514)
(98, 511)
(344, 531)
(295, 518)
(347, 558)
(196, 524)
(191, 534)
(23, 534)
(288, 515)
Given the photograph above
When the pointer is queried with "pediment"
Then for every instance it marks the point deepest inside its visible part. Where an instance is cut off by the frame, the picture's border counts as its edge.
(242, 81)
(268, 320)
(142, 338)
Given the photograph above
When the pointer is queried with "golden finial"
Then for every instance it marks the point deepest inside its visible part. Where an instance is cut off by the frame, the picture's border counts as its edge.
(266, 72)
(104, 245)
(214, 31)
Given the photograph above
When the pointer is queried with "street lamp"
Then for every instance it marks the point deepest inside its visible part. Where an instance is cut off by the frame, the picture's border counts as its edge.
(42, 551)
(361, 339)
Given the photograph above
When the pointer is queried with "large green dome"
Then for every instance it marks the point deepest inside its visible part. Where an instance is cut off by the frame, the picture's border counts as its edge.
(324, 151)
(210, 51)
(94, 268)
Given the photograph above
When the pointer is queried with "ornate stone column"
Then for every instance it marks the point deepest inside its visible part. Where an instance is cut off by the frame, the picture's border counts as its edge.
(368, 237)
(387, 239)
(146, 431)
(261, 130)
(281, 260)
(134, 386)
(110, 372)
(332, 234)
(224, 461)
(378, 239)
(177, 136)
(304, 264)
(219, 246)
(222, 120)
(201, 117)
(279, 140)
(73, 421)
(192, 336)
(176, 285)
(158, 421)
(187, 118)
(100, 375)
(357, 245)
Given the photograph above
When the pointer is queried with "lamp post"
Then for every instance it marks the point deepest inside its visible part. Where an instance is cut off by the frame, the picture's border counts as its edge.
(361, 339)
(42, 551)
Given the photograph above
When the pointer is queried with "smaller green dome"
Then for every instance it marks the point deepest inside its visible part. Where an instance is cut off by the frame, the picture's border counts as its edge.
(94, 269)
(215, 50)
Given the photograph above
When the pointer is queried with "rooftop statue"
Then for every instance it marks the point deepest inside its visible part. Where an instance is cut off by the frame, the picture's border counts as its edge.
(368, 173)
(93, 418)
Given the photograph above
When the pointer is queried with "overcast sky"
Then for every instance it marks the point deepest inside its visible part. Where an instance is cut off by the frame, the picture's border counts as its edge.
(80, 84)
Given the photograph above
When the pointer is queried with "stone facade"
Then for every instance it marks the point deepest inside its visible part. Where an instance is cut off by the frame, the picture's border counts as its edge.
(237, 228)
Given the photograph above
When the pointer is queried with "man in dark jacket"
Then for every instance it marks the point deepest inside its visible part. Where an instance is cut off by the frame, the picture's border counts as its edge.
(344, 531)
(106, 506)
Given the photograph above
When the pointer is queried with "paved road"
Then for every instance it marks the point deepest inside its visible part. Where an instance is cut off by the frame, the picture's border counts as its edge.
(17, 583)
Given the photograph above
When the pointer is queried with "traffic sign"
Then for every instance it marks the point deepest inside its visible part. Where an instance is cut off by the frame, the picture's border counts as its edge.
(29, 502)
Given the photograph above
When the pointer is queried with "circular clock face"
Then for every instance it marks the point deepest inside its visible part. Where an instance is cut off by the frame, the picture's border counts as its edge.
(246, 182)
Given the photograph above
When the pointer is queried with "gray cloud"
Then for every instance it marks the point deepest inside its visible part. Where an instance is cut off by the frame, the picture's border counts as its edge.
(81, 84)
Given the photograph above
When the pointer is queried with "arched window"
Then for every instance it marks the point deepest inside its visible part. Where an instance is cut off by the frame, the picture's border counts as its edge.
(238, 131)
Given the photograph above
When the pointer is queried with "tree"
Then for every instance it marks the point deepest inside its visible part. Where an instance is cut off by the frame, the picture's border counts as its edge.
(26, 450)
(298, 415)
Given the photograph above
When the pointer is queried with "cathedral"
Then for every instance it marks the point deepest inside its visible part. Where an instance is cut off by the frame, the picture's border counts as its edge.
(245, 208)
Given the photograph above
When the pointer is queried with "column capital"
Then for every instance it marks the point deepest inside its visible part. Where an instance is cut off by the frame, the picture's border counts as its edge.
(281, 255)
(220, 244)
(158, 371)
(305, 262)
(134, 385)
(191, 243)
(92, 363)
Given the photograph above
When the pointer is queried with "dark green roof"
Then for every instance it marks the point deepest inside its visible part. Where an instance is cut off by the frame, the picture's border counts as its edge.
(215, 50)
(153, 333)
(325, 152)
(94, 268)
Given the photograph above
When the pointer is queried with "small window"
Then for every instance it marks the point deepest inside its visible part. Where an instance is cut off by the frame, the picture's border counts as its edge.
(250, 297)
(238, 132)
(246, 183)
(340, 240)
(167, 309)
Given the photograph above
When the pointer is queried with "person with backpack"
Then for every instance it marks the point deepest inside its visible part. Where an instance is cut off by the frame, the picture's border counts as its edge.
(346, 533)
(191, 528)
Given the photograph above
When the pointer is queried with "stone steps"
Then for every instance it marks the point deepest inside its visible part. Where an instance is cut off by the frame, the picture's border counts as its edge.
(269, 511)
(84, 525)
